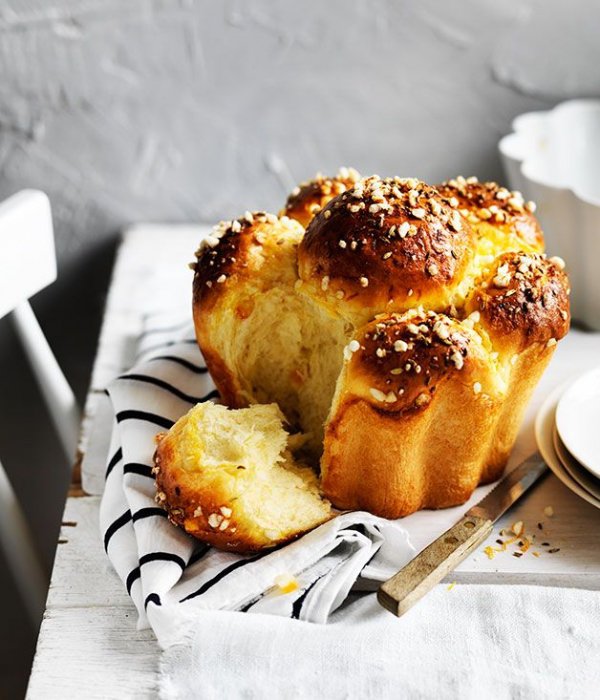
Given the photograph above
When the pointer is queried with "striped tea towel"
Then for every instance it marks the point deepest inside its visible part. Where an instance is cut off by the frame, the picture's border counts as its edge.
(168, 574)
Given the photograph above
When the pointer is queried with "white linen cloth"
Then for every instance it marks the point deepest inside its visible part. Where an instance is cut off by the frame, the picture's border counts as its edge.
(470, 642)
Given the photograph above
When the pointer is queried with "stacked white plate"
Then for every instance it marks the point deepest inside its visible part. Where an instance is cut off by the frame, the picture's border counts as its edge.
(568, 435)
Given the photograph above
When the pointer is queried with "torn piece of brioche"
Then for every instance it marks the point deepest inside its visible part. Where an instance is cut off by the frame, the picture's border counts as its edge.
(228, 477)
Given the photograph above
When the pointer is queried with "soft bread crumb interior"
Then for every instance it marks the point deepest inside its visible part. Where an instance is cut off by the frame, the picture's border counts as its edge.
(245, 453)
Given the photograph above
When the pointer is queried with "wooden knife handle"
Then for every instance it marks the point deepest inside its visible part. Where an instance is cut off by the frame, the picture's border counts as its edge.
(420, 575)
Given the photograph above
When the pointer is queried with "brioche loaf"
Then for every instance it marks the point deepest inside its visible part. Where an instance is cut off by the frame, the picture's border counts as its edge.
(402, 332)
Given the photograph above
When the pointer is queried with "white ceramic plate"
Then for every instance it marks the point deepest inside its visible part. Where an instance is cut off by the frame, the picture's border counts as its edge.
(572, 466)
(544, 426)
(578, 420)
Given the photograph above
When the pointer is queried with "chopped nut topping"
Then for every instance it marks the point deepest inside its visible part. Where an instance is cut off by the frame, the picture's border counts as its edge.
(455, 221)
(364, 281)
(551, 343)
(477, 388)
(458, 361)
(214, 520)
(516, 203)
(558, 261)
(502, 277)
(400, 346)
(422, 399)
(403, 229)
(377, 395)
(441, 330)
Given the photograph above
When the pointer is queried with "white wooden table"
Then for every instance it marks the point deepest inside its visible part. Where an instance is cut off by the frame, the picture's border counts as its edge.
(89, 645)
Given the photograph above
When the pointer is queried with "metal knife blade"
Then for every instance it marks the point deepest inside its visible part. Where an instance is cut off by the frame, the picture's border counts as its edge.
(510, 488)
(420, 575)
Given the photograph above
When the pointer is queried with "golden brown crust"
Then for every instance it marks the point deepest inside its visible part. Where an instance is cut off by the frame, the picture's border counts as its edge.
(307, 200)
(401, 359)
(419, 447)
(233, 258)
(523, 300)
(237, 249)
(385, 245)
(177, 493)
(428, 402)
(488, 206)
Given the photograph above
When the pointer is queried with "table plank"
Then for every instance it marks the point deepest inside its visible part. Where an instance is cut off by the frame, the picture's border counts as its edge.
(84, 653)
(88, 645)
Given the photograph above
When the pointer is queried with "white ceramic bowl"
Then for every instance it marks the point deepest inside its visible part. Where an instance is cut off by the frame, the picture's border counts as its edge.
(553, 158)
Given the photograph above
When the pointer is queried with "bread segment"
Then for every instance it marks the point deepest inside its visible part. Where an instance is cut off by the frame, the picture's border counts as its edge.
(402, 333)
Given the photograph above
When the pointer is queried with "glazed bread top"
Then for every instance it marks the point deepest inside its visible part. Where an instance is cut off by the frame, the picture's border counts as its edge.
(524, 299)
(385, 245)
(496, 213)
(307, 200)
(238, 249)
(397, 361)
(275, 305)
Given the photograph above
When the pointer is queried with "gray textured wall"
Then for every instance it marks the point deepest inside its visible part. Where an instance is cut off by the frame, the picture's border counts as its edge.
(126, 110)
(176, 110)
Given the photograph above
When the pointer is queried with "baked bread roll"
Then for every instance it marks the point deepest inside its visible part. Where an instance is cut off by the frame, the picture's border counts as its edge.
(501, 218)
(323, 323)
(310, 197)
(262, 341)
(229, 478)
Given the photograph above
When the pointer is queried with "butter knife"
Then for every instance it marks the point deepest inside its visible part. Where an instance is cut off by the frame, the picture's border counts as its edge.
(428, 568)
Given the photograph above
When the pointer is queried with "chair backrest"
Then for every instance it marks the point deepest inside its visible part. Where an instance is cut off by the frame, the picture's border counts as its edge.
(27, 254)
(27, 265)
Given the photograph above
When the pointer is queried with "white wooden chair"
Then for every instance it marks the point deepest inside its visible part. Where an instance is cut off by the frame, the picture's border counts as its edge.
(27, 265)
